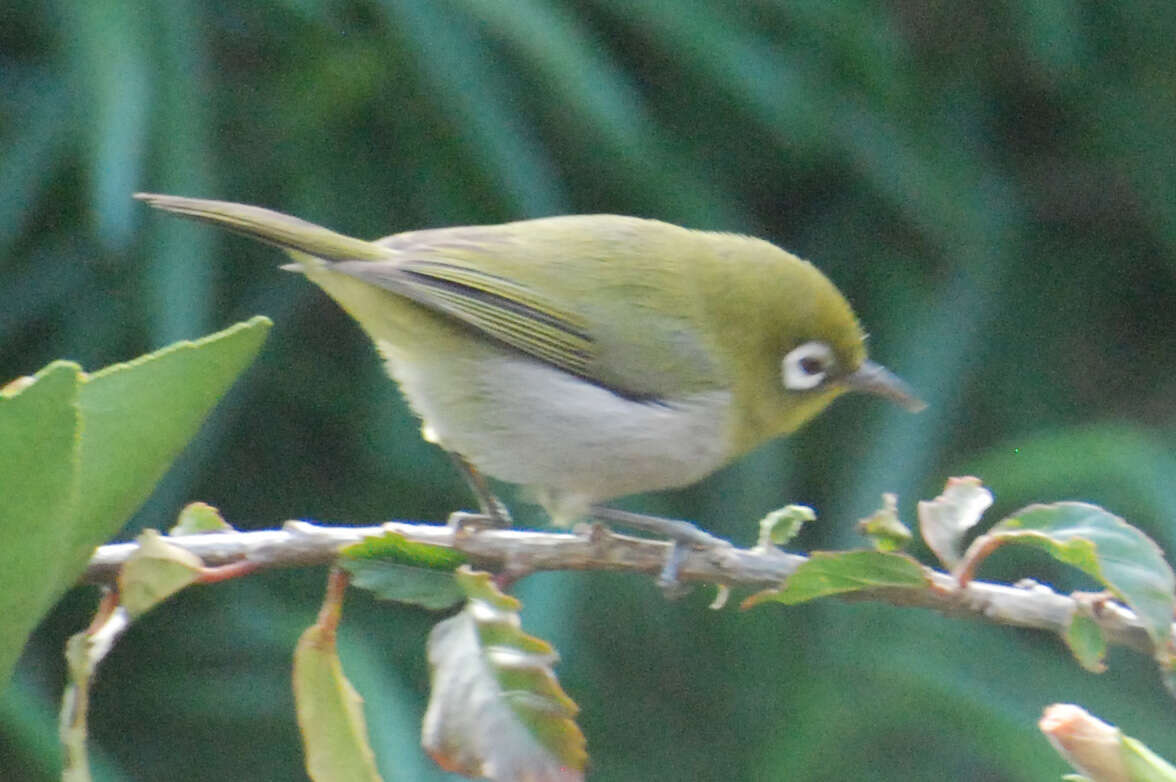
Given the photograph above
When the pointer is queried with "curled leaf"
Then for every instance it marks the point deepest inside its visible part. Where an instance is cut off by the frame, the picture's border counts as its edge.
(496, 709)
(154, 572)
(883, 527)
(945, 520)
(781, 526)
(198, 518)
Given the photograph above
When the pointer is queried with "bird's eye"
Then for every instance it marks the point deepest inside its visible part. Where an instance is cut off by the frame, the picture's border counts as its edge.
(806, 366)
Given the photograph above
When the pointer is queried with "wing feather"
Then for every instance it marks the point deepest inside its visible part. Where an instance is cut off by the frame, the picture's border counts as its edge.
(498, 307)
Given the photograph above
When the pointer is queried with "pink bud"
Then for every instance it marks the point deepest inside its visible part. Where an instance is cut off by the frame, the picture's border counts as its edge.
(1088, 744)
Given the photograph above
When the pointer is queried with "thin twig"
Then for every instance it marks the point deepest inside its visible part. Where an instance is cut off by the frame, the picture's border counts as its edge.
(300, 544)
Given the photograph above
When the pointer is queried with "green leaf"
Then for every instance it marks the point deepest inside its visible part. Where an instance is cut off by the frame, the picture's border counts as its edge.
(154, 572)
(395, 568)
(425, 588)
(330, 713)
(1086, 642)
(496, 709)
(1117, 555)
(883, 527)
(834, 572)
(138, 416)
(394, 547)
(944, 520)
(38, 431)
(82, 453)
(198, 518)
(781, 526)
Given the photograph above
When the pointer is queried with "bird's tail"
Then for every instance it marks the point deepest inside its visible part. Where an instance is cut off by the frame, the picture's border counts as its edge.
(276, 228)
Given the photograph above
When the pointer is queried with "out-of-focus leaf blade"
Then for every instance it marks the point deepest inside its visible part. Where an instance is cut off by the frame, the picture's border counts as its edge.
(1130, 459)
(38, 430)
(472, 85)
(85, 451)
(610, 108)
(30, 150)
(138, 416)
(766, 82)
(108, 40)
(496, 709)
(180, 276)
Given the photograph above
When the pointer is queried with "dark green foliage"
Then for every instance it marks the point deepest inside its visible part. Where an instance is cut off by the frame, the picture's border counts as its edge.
(991, 185)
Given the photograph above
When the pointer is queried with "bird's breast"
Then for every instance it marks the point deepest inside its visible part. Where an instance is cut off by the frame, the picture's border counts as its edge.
(525, 422)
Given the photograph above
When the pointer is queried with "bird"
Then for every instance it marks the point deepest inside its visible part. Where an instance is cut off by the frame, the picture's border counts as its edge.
(585, 357)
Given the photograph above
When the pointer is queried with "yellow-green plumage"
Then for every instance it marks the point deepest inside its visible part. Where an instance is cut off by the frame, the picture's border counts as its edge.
(587, 356)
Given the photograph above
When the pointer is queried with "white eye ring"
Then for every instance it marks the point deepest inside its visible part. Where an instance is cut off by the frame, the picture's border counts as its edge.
(806, 366)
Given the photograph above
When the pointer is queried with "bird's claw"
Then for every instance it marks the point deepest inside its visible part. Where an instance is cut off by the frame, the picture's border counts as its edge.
(465, 522)
(667, 580)
(683, 537)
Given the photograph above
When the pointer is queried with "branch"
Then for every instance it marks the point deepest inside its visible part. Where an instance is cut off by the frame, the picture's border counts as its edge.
(300, 544)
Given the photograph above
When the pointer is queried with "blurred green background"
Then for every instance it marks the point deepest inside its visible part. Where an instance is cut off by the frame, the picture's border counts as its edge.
(993, 186)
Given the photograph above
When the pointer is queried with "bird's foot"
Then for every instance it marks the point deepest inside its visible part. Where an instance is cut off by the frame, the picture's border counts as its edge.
(496, 511)
(493, 510)
(463, 521)
(683, 537)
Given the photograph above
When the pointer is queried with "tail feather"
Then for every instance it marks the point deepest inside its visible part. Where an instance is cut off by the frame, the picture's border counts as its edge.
(289, 233)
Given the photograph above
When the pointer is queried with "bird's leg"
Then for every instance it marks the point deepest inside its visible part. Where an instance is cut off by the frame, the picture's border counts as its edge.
(674, 529)
(493, 512)
(682, 535)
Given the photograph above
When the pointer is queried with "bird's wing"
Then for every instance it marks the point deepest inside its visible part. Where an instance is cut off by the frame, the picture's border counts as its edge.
(570, 294)
(498, 307)
(582, 321)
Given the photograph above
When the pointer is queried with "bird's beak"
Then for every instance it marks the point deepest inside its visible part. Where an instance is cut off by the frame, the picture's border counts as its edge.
(876, 379)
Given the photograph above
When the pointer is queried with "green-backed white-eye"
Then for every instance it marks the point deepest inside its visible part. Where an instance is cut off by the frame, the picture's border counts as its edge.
(586, 357)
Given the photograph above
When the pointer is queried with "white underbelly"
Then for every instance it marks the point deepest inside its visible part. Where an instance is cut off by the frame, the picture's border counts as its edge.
(525, 422)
